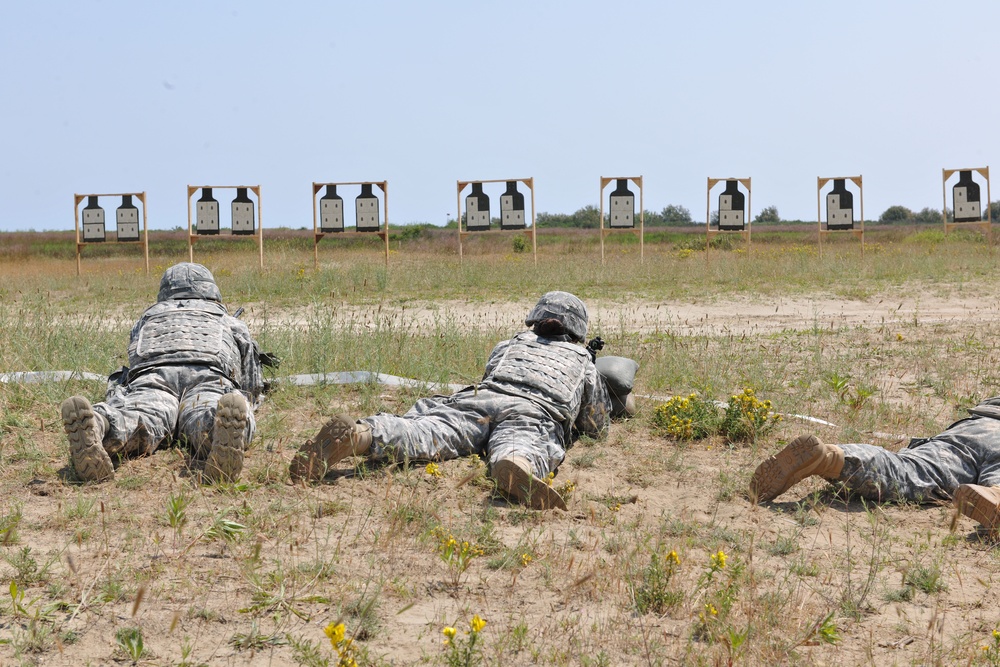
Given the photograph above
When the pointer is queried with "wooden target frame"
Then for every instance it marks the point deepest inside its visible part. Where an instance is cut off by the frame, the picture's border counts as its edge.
(712, 233)
(528, 230)
(857, 232)
(144, 241)
(637, 181)
(258, 234)
(383, 232)
(985, 226)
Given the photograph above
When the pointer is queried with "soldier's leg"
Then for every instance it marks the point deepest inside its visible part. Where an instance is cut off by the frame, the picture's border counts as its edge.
(523, 450)
(433, 429)
(196, 416)
(133, 419)
(141, 415)
(85, 431)
(980, 501)
(932, 470)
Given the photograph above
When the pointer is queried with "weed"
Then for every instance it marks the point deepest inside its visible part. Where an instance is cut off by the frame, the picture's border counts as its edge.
(255, 640)
(463, 651)
(654, 592)
(129, 641)
(457, 556)
(176, 513)
(784, 545)
(747, 418)
(686, 417)
(925, 578)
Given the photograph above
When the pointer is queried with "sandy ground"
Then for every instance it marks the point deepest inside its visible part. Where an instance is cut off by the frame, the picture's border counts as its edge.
(316, 551)
(733, 316)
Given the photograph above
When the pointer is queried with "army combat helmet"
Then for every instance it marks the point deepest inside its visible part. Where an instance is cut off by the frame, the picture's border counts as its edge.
(188, 281)
(566, 308)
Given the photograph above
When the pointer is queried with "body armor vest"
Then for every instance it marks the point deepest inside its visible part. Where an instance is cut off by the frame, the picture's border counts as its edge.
(186, 332)
(547, 371)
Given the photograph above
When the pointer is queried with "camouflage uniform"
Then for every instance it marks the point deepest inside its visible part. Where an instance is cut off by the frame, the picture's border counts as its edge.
(185, 353)
(967, 452)
(537, 394)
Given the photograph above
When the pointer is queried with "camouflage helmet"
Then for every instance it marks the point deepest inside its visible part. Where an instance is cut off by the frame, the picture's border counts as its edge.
(188, 281)
(566, 308)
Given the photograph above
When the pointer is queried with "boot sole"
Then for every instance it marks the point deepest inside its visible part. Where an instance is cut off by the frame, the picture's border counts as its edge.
(787, 468)
(315, 458)
(977, 507)
(90, 460)
(225, 459)
(525, 488)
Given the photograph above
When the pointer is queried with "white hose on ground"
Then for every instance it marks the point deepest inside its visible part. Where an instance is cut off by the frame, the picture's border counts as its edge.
(361, 377)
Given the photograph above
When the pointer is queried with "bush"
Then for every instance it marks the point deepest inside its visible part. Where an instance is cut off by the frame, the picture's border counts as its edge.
(896, 214)
(747, 418)
(686, 418)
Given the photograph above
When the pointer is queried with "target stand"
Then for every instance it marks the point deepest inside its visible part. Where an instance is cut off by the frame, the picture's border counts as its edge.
(966, 201)
(734, 210)
(512, 211)
(328, 215)
(207, 216)
(621, 210)
(126, 217)
(840, 209)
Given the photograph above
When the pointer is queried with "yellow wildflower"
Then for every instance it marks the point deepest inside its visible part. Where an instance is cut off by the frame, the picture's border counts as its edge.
(433, 469)
(477, 623)
(335, 633)
(525, 559)
(449, 634)
(719, 560)
(672, 557)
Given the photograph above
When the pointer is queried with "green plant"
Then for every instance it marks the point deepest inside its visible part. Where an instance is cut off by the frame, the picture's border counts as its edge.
(925, 578)
(464, 651)
(991, 651)
(343, 645)
(688, 417)
(747, 418)
(176, 513)
(519, 245)
(129, 640)
(255, 640)
(457, 556)
(654, 592)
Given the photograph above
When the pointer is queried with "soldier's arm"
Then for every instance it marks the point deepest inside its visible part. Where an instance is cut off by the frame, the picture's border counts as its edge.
(595, 408)
(252, 372)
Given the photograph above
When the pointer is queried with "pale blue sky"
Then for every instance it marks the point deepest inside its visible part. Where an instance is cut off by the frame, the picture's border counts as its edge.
(116, 96)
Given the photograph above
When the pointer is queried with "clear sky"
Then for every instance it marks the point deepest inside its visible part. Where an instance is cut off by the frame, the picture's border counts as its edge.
(114, 96)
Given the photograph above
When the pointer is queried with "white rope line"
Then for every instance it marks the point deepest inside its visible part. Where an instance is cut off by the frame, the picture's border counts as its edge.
(365, 377)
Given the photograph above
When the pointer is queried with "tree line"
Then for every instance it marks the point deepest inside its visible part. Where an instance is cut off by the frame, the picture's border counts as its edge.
(675, 215)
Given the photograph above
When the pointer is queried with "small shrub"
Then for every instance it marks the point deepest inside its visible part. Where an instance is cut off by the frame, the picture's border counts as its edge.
(653, 593)
(688, 417)
(747, 418)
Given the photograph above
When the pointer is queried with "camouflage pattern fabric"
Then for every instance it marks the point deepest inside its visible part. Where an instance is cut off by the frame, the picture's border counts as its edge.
(535, 394)
(968, 452)
(169, 402)
(565, 307)
(185, 353)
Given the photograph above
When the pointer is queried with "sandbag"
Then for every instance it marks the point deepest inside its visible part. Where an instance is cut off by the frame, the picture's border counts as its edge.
(618, 373)
(619, 376)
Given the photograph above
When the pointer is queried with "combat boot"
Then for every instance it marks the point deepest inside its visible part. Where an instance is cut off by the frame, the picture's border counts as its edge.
(340, 437)
(980, 503)
(516, 481)
(225, 458)
(85, 430)
(803, 457)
